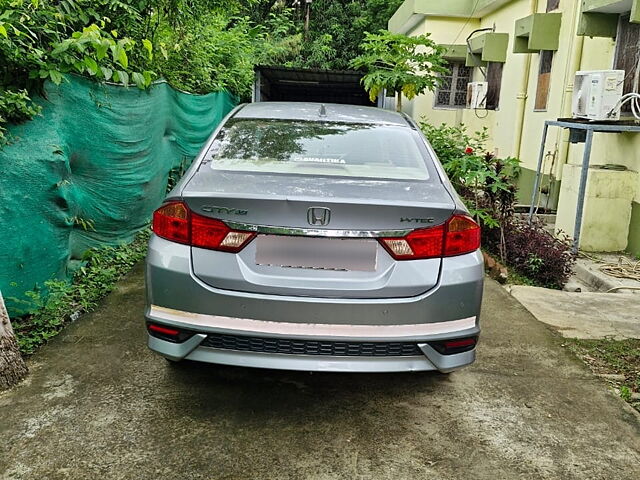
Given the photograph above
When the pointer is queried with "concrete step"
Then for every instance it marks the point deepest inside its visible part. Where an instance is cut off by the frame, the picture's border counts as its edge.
(587, 271)
(576, 285)
(545, 217)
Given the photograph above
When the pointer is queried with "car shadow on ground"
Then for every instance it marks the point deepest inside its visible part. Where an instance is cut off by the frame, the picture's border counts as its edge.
(279, 392)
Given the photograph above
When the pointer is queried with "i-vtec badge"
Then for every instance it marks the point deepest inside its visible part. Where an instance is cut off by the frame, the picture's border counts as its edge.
(223, 210)
(417, 220)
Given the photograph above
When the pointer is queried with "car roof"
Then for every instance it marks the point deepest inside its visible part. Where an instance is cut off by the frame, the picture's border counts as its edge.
(309, 111)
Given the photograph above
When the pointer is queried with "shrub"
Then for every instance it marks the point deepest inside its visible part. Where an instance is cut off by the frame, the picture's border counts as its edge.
(532, 251)
(487, 185)
(452, 142)
(485, 182)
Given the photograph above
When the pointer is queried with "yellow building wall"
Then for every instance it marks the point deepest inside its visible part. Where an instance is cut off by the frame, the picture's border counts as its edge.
(607, 219)
(516, 114)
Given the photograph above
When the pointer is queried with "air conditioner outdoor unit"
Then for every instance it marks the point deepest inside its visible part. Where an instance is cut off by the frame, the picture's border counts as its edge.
(477, 94)
(597, 93)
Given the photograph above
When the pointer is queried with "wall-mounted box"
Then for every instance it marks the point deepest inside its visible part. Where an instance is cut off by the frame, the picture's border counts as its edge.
(455, 52)
(487, 47)
(540, 31)
(599, 18)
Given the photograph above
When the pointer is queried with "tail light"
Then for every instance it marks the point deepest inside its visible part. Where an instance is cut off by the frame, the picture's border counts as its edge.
(171, 221)
(458, 235)
(213, 234)
(463, 236)
(174, 221)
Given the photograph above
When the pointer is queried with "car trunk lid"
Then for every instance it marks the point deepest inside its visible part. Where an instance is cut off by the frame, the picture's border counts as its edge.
(316, 235)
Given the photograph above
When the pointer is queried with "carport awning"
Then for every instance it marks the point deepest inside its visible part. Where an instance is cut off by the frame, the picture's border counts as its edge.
(309, 85)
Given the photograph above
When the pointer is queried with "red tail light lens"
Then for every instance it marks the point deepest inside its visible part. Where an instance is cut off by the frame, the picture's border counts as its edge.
(421, 243)
(174, 221)
(171, 221)
(211, 233)
(463, 236)
(458, 235)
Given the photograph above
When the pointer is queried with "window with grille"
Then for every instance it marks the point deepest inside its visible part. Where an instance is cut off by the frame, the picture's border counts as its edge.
(453, 90)
(553, 5)
(627, 55)
(494, 81)
(544, 79)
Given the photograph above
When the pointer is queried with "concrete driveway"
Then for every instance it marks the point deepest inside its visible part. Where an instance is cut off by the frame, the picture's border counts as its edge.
(98, 405)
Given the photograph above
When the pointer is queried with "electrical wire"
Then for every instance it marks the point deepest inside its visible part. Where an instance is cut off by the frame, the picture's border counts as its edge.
(633, 98)
(473, 10)
(624, 269)
(473, 55)
(542, 169)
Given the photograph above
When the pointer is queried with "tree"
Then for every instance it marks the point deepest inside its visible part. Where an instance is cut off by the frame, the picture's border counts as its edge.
(400, 64)
(12, 366)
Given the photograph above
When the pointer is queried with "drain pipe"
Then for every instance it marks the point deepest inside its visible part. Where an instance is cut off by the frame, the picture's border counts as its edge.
(522, 103)
(575, 62)
(522, 95)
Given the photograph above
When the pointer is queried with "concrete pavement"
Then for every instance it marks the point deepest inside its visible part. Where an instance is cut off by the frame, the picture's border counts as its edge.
(583, 314)
(98, 404)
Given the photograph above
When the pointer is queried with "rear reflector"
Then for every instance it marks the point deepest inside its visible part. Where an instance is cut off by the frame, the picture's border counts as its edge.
(174, 221)
(464, 342)
(168, 334)
(172, 332)
(458, 345)
(458, 235)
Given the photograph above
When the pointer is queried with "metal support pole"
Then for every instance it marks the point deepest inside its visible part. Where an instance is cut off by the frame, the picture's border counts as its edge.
(536, 185)
(582, 190)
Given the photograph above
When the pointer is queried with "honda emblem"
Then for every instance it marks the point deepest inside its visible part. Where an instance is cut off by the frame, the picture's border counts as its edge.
(318, 216)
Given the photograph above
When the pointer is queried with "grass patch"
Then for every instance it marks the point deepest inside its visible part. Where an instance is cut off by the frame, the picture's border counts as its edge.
(65, 301)
(619, 357)
(515, 278)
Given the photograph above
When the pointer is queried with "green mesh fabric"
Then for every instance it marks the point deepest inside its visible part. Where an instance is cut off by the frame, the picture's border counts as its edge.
(90, 170)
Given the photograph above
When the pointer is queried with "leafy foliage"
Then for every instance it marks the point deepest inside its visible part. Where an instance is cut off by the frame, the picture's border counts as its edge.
(487, 184)
(44, 39)
(15, 107)
(216, 53)
(404, 65)
(197, 45)
(64, 301)
(337, 28)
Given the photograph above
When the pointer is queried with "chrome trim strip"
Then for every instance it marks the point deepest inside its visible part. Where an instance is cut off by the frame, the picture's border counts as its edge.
(251, 326)
(316, 232)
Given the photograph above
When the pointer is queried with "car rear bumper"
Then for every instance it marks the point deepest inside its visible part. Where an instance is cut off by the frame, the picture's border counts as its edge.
(177, 298)
(171, 283)
(201, 326)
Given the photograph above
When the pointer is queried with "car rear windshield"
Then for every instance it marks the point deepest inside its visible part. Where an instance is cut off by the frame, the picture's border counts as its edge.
(319, 148)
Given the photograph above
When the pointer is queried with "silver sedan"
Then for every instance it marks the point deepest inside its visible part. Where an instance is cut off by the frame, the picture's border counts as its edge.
(315, 237)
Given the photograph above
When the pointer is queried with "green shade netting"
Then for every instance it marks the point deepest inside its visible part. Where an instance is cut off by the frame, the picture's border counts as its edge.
(90, 170)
